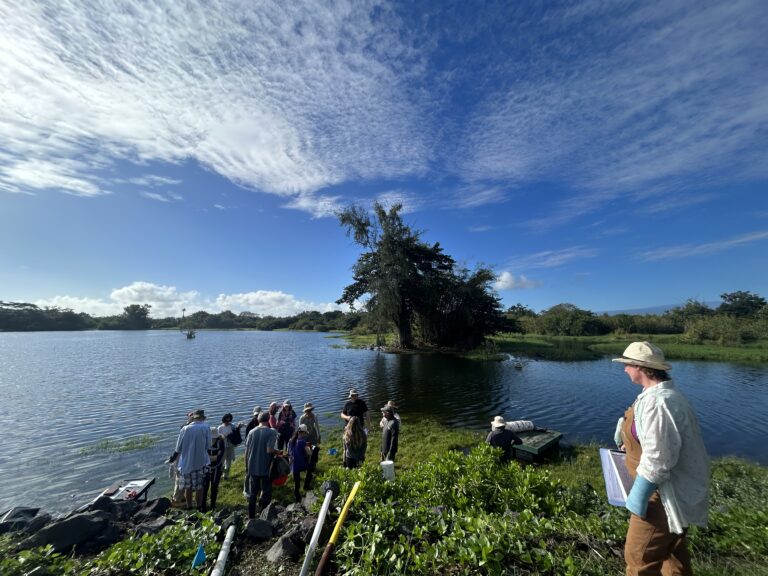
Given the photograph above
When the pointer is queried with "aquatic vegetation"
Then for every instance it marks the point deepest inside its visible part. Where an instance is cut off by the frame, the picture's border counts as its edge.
(113, 445)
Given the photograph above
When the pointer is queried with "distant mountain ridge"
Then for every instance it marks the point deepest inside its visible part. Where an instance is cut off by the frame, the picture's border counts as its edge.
(655, 309)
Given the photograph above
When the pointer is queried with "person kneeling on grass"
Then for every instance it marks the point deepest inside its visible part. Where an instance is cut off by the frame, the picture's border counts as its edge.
(502, 438)
(259, 450)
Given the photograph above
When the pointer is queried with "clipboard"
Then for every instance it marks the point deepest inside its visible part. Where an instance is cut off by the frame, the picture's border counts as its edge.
(618, 482)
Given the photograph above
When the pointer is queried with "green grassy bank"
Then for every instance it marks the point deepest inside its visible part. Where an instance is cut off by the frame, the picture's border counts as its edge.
(455, 509)
(592, 347)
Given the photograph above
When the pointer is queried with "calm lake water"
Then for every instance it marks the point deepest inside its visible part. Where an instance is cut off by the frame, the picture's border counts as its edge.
(62, 393)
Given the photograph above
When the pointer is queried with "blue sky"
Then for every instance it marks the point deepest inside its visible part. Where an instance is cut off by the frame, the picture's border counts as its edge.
(612, 155)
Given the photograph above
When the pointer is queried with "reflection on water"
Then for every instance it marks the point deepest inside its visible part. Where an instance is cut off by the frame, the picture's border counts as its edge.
(63, 392)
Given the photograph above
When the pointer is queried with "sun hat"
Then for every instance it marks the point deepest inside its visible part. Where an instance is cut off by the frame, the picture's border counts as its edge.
(387, 409)
(198, 415)
(644, 354)
(256, 410)
(214, 432)
(287, 403)
(392, 404)
(303, 428)
(308, 406)
(353, 392)
(498, 422)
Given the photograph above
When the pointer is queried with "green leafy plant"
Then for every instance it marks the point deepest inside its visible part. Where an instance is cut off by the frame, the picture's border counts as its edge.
(168, 552)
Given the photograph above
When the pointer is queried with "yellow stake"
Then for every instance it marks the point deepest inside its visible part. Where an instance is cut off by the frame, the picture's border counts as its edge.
(321, 567)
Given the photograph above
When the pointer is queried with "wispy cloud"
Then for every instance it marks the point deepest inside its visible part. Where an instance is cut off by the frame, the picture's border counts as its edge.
(294, 98)
(688, 250)
(409, 201)
(626, 105)
(153, 181)
(286, 99)
(161, 197)
(507, 281)
(552, 258)
(478, 195)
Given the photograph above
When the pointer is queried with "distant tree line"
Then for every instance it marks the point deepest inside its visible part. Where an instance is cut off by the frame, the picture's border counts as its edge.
(741, 318)
(27, 317)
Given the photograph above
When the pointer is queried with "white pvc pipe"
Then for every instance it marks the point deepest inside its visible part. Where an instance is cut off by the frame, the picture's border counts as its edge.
(221, 561)
(316, 534)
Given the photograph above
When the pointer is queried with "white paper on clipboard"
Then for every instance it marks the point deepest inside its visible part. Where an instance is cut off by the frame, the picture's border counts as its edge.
(618, 482)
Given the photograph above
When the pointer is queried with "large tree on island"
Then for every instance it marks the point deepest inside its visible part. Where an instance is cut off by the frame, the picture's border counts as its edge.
(411, 284)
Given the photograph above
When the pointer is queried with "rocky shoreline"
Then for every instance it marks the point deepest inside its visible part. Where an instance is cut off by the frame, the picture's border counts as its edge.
(283, 532)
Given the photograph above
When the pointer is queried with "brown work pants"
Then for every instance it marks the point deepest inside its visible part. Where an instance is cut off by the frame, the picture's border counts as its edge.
(651, 549)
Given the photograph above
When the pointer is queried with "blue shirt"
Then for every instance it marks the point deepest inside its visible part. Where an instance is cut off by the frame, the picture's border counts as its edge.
(192, 445)
(256, 455)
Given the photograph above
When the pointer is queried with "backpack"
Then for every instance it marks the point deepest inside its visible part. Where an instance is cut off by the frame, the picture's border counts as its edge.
(235, 438)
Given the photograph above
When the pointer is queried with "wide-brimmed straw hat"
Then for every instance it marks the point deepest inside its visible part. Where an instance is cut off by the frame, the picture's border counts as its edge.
(308, 406)
(498, 422)
(644, 354)
(353, 392)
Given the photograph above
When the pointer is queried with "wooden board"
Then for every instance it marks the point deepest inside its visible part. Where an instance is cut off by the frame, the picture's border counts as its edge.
(536, 443)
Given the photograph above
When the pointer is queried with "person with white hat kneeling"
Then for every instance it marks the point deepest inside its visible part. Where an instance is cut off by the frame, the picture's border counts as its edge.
(502, 438)
(665, 455)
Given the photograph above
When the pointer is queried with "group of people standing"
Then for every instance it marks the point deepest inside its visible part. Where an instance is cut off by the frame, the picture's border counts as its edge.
(204, 454)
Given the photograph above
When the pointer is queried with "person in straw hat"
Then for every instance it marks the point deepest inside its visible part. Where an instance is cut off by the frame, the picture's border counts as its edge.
(356, 406)
(309, 419)
(390, 435)
(665, 456)
(502, 438)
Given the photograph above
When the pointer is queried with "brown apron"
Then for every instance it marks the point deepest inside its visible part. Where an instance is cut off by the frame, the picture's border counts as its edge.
(650, 548)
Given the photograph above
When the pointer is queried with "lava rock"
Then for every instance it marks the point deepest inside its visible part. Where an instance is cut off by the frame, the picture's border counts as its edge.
(73, 531)
(259, 530)
(283, 548)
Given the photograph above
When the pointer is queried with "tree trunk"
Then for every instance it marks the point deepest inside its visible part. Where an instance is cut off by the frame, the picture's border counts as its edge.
(404, 331)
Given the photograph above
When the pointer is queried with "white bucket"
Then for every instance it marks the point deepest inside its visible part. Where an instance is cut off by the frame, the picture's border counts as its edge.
(388, 469)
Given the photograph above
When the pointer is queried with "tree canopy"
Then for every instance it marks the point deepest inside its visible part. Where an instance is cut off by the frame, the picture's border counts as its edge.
(414, 286)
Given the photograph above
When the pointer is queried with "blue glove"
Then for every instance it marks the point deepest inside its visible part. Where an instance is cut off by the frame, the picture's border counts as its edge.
(637, 499)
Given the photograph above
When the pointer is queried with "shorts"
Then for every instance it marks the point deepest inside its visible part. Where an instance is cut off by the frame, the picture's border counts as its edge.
(193, 480)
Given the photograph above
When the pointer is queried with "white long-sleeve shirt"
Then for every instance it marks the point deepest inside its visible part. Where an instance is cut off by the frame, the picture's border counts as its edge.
(674, 457)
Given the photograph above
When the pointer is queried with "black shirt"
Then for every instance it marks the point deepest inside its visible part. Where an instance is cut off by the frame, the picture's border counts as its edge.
(503, 438)
(356, 407)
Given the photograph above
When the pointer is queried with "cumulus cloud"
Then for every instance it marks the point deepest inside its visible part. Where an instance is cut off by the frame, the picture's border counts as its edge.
(270, 302)
(169, 301)
(507, 281)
